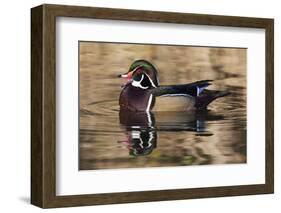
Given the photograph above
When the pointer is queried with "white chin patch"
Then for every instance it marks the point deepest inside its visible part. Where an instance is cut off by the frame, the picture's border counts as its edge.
(138, 83)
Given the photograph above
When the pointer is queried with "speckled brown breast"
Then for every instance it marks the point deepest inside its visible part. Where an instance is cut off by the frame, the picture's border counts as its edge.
(135, 99)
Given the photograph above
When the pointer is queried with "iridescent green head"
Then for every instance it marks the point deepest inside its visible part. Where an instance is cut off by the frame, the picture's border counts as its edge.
(143, 73)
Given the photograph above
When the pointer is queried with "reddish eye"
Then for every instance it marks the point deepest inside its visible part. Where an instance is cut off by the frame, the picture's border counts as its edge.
(139, 70)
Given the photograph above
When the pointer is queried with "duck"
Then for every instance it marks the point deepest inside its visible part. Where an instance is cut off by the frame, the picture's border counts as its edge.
(143, 93)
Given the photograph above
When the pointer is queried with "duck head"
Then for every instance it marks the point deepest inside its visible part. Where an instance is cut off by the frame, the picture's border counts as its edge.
(141, 74)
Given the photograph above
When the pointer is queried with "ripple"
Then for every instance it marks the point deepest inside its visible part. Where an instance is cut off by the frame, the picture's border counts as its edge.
(104, 107)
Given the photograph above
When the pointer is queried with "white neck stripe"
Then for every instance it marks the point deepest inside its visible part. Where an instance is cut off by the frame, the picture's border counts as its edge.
(149, 103)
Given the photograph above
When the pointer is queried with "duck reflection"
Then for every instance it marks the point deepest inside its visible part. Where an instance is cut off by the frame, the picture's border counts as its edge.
(140, 132)
(141, 128)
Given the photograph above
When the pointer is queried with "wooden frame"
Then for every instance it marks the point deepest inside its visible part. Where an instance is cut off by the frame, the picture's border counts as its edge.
(43, 106)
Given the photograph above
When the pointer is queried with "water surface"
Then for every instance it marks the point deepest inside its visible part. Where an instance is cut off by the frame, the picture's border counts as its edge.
(110, 139)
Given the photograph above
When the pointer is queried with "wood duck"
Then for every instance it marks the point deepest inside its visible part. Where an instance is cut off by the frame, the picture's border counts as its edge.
(142, 88)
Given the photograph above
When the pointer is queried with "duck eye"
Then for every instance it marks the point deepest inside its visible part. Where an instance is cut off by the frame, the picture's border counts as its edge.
(139, 71)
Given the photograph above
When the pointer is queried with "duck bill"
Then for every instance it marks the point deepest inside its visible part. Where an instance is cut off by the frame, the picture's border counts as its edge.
(127, 75)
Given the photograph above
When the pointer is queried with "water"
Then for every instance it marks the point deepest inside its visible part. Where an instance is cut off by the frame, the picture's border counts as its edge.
(110, 139)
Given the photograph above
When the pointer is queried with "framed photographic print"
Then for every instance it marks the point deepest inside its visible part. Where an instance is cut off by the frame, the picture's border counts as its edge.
(136, 106)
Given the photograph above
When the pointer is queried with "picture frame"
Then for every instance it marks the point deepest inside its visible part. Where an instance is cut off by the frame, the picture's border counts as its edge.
(43, 105)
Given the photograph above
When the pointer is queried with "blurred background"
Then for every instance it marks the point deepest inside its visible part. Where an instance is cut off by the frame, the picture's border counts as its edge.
(217, 136)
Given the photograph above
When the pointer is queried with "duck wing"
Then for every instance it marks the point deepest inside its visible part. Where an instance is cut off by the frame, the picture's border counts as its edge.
(192, 89)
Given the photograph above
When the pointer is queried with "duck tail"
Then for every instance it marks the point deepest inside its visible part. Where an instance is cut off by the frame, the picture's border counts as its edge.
(208, 96)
